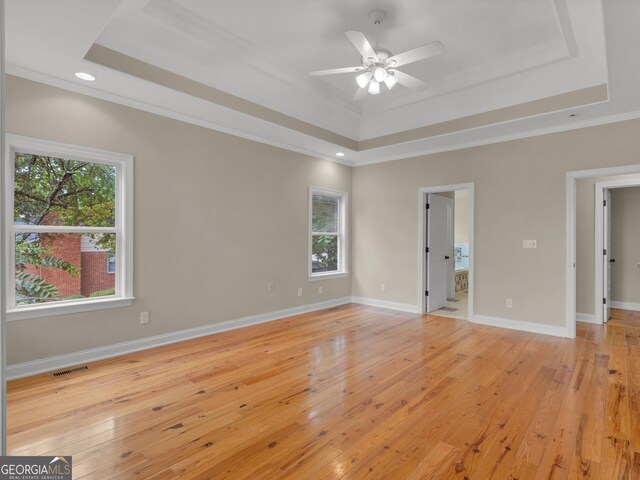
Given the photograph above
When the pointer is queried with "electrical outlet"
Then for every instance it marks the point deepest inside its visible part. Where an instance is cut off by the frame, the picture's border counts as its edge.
(509, 303)
(299, 292)
(529, 244)
(383, 287)
(144, 318)
(271, 286)
(320, 290)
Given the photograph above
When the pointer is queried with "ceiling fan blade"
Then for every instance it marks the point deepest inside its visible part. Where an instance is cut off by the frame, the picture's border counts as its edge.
(408, 80)
(362, 44)
(361, 94)
(334, 71)
(416, 54)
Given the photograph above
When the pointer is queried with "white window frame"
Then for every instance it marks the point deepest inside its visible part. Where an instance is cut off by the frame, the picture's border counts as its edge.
(343, 239)
(123, 227)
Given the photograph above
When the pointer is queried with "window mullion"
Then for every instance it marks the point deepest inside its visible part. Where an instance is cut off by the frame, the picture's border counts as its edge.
(61, 229)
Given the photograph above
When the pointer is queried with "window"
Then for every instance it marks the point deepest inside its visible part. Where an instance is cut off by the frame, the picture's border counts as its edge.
(328, 242)
(111, 264)
(68, 214)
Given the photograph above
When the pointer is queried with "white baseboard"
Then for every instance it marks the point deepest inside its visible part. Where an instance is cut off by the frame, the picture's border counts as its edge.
(626, 306)
(556, 331)
(372, 302)
(585, 317)
(57, 362)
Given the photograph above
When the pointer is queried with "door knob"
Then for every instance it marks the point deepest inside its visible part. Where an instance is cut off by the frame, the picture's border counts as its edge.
(612, 260)
(446, 257)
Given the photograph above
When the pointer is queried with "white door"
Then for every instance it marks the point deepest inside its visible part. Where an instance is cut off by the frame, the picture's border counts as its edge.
(606, 257)
(438, 251)
(451, 251)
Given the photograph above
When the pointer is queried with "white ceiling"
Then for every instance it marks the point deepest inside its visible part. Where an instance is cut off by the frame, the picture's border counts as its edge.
(499, 53)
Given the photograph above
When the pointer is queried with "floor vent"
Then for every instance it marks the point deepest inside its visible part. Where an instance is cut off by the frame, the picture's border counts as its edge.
(62, 373)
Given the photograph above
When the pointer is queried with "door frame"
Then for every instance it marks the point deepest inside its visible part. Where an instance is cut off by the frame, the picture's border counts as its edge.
(3, 320)
(599, 240)
(422, 255)
(570, 265)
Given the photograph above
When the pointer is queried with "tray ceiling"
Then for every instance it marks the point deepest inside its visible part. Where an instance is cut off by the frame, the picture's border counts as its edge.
(240, 66)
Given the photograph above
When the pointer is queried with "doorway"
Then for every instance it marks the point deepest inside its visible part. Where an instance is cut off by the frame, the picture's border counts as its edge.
(580, 268)
(617, 261)
(446, 250)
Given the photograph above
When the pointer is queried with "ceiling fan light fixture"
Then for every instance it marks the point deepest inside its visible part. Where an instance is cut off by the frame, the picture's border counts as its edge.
(363, 79)
(390, 81)
(374, 87)
(380, 74)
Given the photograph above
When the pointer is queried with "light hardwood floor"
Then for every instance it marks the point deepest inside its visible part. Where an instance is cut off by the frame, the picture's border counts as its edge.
(347, 393)
(624, 318)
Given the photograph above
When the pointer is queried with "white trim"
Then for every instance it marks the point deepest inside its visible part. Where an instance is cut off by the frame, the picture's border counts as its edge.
(235, 122)
(586, 318)
(48, 364)
(554, 330)
(364, 158)
(343, 235)
(374, 302)
(422, 193)
(65, 307)
(123, 227)
(626, 306)
(570, 272)
(3, 237)
(291, 140)
(328, 276)
(61, 229)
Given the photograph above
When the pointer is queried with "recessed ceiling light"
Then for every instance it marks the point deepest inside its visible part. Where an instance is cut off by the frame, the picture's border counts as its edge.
(85, 76)
(340, 154)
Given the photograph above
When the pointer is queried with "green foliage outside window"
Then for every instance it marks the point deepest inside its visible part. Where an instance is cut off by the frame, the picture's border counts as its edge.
(56, 191)
(325, 225)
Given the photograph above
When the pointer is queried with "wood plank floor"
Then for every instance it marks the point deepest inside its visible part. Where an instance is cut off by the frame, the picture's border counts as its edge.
(347, 393)
(624, 318)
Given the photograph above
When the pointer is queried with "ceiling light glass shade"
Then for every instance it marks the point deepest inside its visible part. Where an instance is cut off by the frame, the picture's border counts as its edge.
(363, 79)
(379, 74)
(390, 81)
(374, 87)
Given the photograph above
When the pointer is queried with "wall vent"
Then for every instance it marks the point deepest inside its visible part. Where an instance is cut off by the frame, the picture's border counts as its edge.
(62, 373)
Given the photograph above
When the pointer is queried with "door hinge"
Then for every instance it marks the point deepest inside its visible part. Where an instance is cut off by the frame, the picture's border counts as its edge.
(604, 203)
(604, 301)
(427, 206)
(426, 249)
(426, 293)
(604, 252)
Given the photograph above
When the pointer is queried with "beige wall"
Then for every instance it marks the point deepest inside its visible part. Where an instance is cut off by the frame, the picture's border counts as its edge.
(461, 216)
(216, 218)
(585, 240)
(220, 192)
(625, 236)
(520, 194)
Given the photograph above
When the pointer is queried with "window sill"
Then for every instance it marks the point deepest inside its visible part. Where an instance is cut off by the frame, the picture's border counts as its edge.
(327, 276)
(64, 308)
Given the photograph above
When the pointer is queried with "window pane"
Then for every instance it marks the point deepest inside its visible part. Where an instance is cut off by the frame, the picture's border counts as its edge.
(324, 253)
(111, 264)
(325, 214)
(55, 191)
(52, 267)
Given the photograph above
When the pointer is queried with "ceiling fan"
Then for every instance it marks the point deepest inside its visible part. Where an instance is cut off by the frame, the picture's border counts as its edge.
(379, 65)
